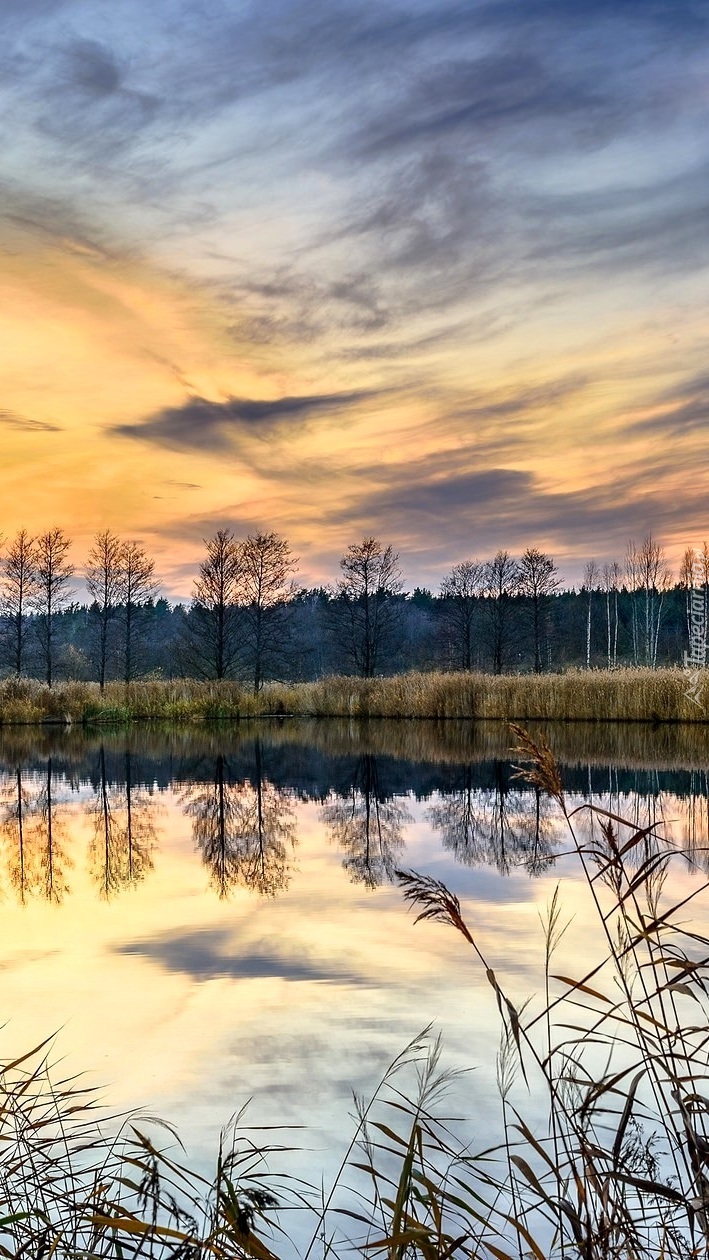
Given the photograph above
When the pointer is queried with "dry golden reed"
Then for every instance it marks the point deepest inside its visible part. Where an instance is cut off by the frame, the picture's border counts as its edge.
(625, 695)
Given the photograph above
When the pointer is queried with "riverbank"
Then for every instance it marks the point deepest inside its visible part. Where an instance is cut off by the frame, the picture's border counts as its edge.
(626, 695)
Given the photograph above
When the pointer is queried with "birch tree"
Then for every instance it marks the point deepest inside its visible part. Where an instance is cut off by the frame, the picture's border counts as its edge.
(590, 580)
(649, 579)
(610, 576)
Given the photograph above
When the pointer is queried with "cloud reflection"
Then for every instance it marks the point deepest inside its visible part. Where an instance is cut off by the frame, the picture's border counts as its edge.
(212, 953)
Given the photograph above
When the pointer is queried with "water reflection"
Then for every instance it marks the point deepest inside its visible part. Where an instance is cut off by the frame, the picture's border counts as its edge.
(367, 825)
(74, 806)
(34, 837)
(695, 840)
(502, 825)
(124, 832)
(243, 828)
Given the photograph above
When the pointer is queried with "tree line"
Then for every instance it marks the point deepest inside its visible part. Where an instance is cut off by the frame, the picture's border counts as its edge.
(248, 619)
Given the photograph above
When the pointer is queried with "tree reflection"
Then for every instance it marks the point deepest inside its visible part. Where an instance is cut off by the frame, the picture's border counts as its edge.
(121, 848)
(34, 835)
(498, 826)
(244, 830)
(367, 826)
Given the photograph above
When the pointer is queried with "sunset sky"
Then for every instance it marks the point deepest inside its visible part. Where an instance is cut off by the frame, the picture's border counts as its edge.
(434, 270)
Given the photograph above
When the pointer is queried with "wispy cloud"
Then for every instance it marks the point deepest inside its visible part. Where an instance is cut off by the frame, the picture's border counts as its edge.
(11, 420)
(480, 222)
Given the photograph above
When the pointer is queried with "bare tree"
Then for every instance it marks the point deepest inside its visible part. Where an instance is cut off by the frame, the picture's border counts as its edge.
(105, 582)
(649, 578)
(611, 575)
(264, 580)
(461, 590)
(537, 581)
(52, 592)
(212, 621)
(139, 588)
(19, 585)
(501, 584)
(591, 575)
(371, 579)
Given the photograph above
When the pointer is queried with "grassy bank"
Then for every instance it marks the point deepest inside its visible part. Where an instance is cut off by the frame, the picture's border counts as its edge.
(628, 695)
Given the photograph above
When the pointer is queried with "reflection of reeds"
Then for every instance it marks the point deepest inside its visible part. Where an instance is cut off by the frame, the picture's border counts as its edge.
(587, 695)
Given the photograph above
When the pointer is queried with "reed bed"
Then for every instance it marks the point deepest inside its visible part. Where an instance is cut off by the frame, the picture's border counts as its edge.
(619, 1170)
(625, 695)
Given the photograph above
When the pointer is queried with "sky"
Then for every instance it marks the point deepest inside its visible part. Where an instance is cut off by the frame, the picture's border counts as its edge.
(429, 270)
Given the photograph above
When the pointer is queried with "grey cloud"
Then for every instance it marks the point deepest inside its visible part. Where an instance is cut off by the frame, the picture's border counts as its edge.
(531, 399)
(433, 511)
(90, 104)
(12, 420)
(52, 218)
(425, 501)
(212, 953)
(418, 114)
(211, 426)
(480, 511)
(16, 14)
(475, 96)
(654, 228)
(92, 68)
(280, 42)
(683, 18)
(687, 414)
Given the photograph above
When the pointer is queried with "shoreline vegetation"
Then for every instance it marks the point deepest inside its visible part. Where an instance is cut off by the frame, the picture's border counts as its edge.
(623, 695)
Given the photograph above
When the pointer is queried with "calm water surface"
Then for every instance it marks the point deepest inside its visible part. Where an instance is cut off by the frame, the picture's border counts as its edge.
(210, 917)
